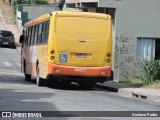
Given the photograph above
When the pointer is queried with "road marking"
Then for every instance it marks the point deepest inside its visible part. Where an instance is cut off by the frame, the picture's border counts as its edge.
(18, 64)
(15, 74)
(7, 64)
(4, 77)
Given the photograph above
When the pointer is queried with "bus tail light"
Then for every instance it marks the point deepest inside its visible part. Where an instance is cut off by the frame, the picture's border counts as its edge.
(108, 54)
(52, 57)
(56, 70)
(52, 52)
(103, 72)
(108, 60)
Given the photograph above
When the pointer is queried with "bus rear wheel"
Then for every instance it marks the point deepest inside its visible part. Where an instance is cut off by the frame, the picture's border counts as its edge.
(27, 77)
(39, 81)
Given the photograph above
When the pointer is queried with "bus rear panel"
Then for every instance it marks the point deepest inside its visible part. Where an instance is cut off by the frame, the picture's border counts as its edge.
(81, 45)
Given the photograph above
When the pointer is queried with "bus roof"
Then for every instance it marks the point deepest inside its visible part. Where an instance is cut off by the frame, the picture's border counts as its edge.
(67, 13)
(81, 14)
(38, 19)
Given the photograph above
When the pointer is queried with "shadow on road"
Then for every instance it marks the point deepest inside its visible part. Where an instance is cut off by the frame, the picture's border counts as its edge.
(10, 47)
(19, 95)
(65, 86)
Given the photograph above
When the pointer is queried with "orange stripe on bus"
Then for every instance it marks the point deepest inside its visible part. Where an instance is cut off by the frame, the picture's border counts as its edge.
(35, 20)
(79, 71)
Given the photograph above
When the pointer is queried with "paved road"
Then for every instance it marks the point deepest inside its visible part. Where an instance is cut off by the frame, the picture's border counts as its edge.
(17, 94)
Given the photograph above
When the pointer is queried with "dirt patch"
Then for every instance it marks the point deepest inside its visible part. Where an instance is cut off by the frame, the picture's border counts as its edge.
(137, 84)
(9, 24)
(154, 86)
(7, 12)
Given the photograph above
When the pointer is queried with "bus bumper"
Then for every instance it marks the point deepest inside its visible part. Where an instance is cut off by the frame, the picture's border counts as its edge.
(54, 69)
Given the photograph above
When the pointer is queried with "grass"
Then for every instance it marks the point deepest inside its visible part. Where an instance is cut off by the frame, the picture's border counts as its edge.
(155, 85)
(132, 83)
(137, 83)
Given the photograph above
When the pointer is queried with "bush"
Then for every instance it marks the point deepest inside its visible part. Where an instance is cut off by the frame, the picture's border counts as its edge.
(41, 2)
(151, 71)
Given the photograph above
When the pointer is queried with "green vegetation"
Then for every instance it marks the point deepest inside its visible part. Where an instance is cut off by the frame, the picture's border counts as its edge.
(137, 83)
(30, 1)
(151, 71)
(132, 83)
(40, 2)
(155, 84)
(150, 75)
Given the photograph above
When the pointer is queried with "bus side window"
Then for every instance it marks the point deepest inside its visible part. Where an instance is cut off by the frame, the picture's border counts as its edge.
(36, 42)
(40, 33)
(36, 33)
(30, 31)
(47, 31)
(29, 36)
(25, 36)
(24, 32)
(44, 32)
(26, 42)
(33, 34)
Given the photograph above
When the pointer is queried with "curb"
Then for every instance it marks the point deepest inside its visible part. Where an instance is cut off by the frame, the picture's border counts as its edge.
(140, 93)
(126, 91)
(101, 86)
(111, 86)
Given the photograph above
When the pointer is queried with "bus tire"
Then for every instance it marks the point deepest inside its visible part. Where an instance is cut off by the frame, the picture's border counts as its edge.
(39, 81)
(49, 82)
(27, 76)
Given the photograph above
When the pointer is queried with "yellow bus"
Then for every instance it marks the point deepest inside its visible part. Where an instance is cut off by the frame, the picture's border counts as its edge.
(67, 46)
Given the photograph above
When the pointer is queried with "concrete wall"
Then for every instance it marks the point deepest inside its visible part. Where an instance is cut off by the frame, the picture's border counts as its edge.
(72, 1)
(57, 1)
(28, 12)
(132, 19)
(38, 10)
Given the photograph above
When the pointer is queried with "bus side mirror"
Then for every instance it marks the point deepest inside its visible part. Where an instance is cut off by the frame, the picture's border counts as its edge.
(21, 39)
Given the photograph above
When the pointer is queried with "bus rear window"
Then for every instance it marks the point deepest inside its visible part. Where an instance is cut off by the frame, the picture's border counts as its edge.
(81, 26)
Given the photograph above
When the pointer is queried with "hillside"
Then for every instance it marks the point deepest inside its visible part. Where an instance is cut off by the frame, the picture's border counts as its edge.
(7, 12)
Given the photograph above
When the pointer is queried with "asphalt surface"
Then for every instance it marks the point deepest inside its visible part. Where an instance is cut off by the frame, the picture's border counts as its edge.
(17, 94)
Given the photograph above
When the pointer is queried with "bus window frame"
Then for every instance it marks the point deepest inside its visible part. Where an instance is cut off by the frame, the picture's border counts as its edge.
(39, 34)
(36, 34)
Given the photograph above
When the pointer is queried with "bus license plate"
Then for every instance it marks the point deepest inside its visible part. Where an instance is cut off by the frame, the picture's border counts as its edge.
(80, 55)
